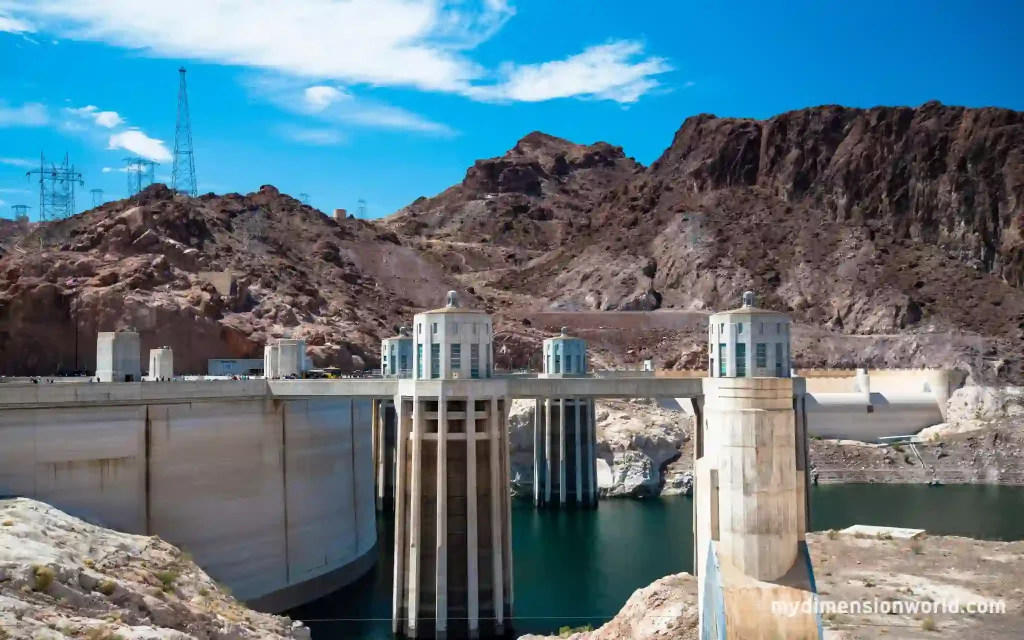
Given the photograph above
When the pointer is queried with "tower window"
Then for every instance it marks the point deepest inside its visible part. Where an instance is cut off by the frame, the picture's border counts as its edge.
(762, 356)
(433, 328)
(741, 360)
(419, 361)
(455, 328)
(435, 361)
(778, 359)
(579, 364)
(558, 364)
(474, 360)
(721, 360)
(739, 328)
(456, 357)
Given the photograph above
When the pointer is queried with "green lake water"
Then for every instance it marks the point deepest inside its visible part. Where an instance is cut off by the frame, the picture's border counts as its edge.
(580, 567)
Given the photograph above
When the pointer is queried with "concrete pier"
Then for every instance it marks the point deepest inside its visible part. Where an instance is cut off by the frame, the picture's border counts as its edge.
(565, 469)
(385, 441)
(750, 502)
(453, 547)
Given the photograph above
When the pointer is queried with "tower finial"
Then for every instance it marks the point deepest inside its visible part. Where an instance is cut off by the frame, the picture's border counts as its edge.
(565, 332)
(452, 301)
(748, 299)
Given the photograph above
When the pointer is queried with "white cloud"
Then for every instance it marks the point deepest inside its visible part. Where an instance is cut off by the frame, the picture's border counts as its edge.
(19, 162)
(11, 25)
(316, 137)
(320, 97)
(334, 106)
(15, 191)
(140, 144)
(2, 203)
(106, 119)
(608, 72)
(30, 114)
(424, 44)
(116, 170)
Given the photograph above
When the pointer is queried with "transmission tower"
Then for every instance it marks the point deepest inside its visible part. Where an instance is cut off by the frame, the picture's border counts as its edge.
(362, 208)
(56, 189)
(97, 197)
(304, 198)
(140, 173)
(183, 175)
(21, 214)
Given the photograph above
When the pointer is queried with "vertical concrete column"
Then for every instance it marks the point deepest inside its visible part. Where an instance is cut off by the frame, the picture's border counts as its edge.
(591, 439)
(401, 483)
(416, 504)
(506, 498)
(538, 450)
(472, 544)
(547, 450)
(561, 451)
(579, 454)
(375, 447)
(441, 565)
(497, 515)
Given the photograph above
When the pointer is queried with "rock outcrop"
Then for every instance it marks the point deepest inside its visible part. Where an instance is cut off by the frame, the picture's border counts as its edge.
(61, 577)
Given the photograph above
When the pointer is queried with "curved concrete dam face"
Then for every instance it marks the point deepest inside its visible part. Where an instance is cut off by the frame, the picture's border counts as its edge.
(273, 498)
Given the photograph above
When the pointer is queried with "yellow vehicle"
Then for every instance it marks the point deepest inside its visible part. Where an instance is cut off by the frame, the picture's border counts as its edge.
(332, 372)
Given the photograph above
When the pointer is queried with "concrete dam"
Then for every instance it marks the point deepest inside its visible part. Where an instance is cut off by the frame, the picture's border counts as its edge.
(273, 497)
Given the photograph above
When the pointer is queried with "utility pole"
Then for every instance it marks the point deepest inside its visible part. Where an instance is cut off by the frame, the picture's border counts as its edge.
(304, 198)
(183, 175)
(362, 209)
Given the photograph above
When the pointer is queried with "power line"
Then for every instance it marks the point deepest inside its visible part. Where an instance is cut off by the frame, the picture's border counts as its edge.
(183, 175)
(362, 208)
(97, 197)
(304, 198)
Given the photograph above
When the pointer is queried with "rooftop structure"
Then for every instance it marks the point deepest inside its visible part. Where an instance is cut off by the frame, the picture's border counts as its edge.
(118, 356)
(452, 342)
(749, 342)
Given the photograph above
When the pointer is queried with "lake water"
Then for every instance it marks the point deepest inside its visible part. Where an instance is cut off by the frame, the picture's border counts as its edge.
(580, 567)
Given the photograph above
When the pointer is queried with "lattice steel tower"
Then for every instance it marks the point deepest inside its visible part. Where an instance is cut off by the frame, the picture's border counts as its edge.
(140, 174)
(97, 197)
(183, 176)
(56, 189)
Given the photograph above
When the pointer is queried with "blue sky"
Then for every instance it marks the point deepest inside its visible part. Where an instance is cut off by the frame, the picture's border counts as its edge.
(388, 100)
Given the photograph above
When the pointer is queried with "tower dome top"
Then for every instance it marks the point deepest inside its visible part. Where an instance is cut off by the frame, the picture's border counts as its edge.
(748, 299)
(452, 300)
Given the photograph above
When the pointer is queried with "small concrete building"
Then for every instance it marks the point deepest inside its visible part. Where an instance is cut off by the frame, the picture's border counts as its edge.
(452, 343)
(396, 355)
(453, 546)
(564, 432)
(284, 358)
(749, 342)
(161, 364)
(118, 356)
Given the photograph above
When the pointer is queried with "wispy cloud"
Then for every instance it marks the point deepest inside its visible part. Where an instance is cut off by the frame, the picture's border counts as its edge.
(422, 44)
(19, 162)
(18, 191)
(333, 105)
(140, 144)
(106, 119)
(11, 25)
(30, 114)
(316, 137)
(116, 169)
(616, 71)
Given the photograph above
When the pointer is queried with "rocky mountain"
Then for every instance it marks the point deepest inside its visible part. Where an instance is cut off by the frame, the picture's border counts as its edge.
(899, 223)
(893, 236)
(211, 277)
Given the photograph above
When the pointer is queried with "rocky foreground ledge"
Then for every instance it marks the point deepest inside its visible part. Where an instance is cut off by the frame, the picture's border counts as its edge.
(61, 577)
(861, 569)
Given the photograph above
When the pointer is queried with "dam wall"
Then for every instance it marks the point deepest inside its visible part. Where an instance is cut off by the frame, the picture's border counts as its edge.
(272, 497)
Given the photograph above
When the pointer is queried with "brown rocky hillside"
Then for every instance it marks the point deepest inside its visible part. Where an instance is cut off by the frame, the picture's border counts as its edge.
(893, 236)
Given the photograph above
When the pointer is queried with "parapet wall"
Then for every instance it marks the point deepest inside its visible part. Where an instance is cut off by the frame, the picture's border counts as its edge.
(272, 497)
